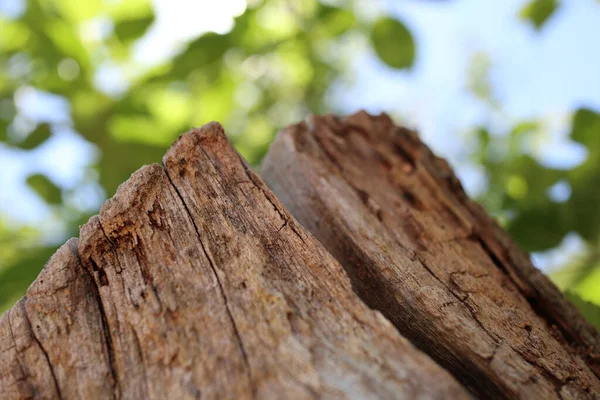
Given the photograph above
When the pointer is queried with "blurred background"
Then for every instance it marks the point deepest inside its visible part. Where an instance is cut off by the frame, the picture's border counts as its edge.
(508, 91)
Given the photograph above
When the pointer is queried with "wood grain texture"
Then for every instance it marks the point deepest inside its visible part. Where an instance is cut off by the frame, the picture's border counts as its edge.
(195, 282)
(431, 260)
(52, 342)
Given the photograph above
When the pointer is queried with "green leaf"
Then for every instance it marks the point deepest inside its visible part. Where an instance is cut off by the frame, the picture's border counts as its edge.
(14, 35)
(3, 130)
(67, 41)
(584, 200)
(478, 77)
(525, 181)
(585, 179)
(522, 185)
(76, 10)
(393, 43)
(586, 129)
(334, 21)
(590, 311)
(15, 279)
(205, 50)
(525, 127)
(120, 159)
(45, 188)
(36, 138)
(538, 11)
(540, 228)
(131, 29)
(588, 284)
(130, 9)
(140, 129)
(484, 137)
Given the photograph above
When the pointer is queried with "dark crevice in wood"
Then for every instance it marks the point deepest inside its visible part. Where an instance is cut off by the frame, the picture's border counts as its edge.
(412, 199)
(527, 294)
(105, 327)
(12, 336)
(108, 239)
(41, 347)
(283, 215)
(216, 275)
(405, 155)
(138, 349)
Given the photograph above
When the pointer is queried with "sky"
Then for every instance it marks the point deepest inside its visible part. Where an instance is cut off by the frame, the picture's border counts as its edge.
(546, 74)
(534, 75)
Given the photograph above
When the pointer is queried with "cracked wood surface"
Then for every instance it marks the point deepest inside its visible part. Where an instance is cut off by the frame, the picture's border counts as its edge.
(431, 260)
(193, 282)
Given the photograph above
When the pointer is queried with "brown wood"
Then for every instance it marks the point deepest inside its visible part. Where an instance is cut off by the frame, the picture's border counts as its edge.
(431, 260)
(195, 282)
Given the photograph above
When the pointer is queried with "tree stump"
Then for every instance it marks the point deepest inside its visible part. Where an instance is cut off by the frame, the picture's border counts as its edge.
(431, 260)
(195, 282)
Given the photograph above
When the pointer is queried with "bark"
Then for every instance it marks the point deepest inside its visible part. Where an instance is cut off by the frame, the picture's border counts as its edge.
(431, 260)
(194, 281)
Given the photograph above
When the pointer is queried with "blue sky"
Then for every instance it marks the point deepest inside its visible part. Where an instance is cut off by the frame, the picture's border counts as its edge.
(543, 74)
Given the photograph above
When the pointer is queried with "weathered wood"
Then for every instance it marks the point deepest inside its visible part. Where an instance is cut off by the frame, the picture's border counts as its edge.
(52, 342)
(194, 281)
(431, 260)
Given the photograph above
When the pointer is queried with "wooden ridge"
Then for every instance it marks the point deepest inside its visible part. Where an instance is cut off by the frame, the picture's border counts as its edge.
(195, 282)
(431, 260)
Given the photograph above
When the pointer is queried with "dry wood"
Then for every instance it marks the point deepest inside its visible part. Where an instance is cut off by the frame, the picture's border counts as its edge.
(431, 260)
(194, 281)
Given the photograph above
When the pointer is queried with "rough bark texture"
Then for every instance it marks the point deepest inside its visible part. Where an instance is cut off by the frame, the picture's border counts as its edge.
(193, 282)
(431, 260)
